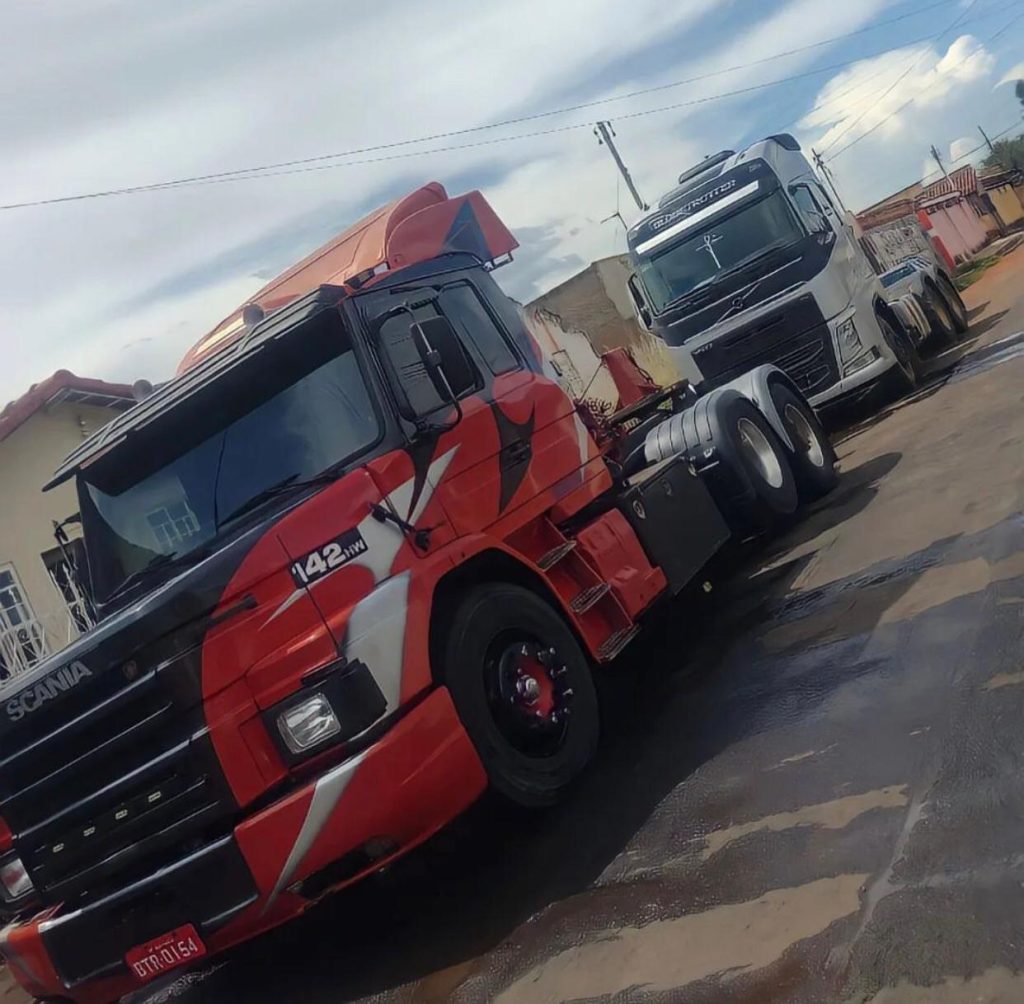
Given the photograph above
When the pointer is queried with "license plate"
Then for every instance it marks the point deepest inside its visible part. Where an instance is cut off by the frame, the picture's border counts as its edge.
(176, 948)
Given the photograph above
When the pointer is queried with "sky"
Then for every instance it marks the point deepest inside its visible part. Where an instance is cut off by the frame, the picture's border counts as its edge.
(113, 94)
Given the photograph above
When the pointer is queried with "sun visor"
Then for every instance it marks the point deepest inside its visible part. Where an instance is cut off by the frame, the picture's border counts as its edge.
(466, 223)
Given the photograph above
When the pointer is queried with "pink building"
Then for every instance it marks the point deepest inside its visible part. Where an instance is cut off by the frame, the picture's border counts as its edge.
(954, 212)
(951, 209)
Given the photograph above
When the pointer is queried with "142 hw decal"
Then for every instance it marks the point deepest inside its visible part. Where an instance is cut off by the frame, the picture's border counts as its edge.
(328, 557)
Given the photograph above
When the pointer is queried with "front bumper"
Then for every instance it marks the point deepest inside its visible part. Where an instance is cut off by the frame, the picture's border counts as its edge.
(854, 385)
(329, 832)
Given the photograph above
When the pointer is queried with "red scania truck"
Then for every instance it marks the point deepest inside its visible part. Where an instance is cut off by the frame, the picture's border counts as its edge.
(353, 565)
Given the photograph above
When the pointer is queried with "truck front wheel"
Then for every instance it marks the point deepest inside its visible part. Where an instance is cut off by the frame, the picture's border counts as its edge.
(523, 690)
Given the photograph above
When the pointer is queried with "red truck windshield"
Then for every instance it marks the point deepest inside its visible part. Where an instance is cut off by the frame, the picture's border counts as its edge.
(314, 413)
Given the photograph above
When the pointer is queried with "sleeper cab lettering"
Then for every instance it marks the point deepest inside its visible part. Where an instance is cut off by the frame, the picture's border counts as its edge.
(329, 557)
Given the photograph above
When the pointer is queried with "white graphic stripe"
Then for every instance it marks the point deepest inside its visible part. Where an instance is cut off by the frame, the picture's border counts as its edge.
(291, 601)
(376, 635)
(326, 795)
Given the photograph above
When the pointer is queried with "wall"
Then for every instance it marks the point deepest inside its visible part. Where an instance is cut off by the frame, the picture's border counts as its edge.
(582, 375)
(597, 301)
(28, 458)
(1007, 203)
(959, 228)
(891, 243)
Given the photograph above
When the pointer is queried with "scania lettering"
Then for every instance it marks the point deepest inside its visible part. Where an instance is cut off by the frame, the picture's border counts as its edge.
(749, 261)
(356, 563)
(34, 695)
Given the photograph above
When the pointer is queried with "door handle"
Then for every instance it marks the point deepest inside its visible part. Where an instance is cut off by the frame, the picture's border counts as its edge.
(518, 451)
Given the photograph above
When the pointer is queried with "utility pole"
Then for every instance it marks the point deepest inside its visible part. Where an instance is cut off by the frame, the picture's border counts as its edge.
(604, 133)
(938, 160)
(995, 156)
(827, 175)
(988, 142)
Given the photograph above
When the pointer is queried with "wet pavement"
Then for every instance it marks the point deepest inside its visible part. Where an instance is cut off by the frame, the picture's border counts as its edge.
(811, 785)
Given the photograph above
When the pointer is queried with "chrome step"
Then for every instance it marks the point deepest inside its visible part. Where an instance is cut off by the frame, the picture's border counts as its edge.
(556, 554)
(586, 599)
(618, 641)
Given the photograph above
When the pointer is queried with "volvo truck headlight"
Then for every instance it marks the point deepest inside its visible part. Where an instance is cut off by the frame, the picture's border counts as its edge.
(850, 345)
(307, 723)
(15, 879)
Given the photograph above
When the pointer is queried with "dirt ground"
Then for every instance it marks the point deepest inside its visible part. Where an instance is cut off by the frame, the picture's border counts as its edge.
(811, 787)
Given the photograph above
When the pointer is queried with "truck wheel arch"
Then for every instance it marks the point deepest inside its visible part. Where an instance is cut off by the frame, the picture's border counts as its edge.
(883, 309)
(491, 564)
(756, 385)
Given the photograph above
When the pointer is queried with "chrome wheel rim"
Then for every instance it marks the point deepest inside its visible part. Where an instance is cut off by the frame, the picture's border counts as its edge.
(804, 433)
(760, 452)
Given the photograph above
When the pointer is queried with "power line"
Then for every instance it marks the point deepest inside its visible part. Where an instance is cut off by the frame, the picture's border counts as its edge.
(909, 102)
(282, 167)
(857, 85)
(974, 150)
(913, 66)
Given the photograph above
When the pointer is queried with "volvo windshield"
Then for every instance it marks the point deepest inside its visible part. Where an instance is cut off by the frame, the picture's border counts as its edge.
(293, 416)
(702, 256)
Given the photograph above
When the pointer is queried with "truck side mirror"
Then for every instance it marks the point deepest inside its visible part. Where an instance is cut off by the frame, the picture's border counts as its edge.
(445, 357)
(428, 365)
(642, 311)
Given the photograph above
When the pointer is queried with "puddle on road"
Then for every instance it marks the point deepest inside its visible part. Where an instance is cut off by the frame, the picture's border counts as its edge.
(800, 757)
(667, 954)
(832, 815)
(1004, 680)
(994, 986)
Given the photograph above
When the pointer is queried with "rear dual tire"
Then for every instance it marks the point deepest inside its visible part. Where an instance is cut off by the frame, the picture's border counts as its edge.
(745, 442)
(812, 457)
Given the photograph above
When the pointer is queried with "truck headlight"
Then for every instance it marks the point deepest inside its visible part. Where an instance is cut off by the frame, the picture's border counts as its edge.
(307, 723)
(850, 345)
(15, 879)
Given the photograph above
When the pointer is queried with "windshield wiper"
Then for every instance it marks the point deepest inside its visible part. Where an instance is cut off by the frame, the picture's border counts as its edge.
(288, 484)
(739, 302)
(140, 574)
(751, 259)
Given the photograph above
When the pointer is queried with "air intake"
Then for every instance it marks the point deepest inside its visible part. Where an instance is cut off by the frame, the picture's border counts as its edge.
(705, 165)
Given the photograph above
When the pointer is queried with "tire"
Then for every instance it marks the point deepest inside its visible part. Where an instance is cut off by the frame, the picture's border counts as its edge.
(903, 378)
(956, 305)
(813, 458)
(940, 317)
(501, 636)
(745, 442)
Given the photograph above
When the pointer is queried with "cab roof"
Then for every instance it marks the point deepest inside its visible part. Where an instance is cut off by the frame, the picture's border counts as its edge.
(187, 388)
(415, 228)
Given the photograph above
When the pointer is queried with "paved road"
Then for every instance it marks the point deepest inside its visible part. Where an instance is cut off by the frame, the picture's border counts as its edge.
(811, 789)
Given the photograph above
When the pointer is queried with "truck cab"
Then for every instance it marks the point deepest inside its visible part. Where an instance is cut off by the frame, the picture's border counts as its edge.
(749, 261)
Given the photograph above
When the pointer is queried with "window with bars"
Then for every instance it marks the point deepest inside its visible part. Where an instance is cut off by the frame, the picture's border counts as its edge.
(22, 643)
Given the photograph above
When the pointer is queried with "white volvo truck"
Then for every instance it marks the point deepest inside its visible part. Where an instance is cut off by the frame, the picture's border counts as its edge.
(748, 261)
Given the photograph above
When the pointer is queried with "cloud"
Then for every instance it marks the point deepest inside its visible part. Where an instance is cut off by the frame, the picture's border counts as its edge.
(891, 108)
(122, 93)
(1012, 75)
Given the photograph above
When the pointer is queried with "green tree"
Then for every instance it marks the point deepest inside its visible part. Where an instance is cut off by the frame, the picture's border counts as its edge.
(1009, 153)
(1019, 91)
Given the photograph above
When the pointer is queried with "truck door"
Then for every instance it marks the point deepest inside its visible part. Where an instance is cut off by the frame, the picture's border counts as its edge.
(518, 435)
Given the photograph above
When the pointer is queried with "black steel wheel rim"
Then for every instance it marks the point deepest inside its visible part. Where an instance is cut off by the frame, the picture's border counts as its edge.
(526, 683)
